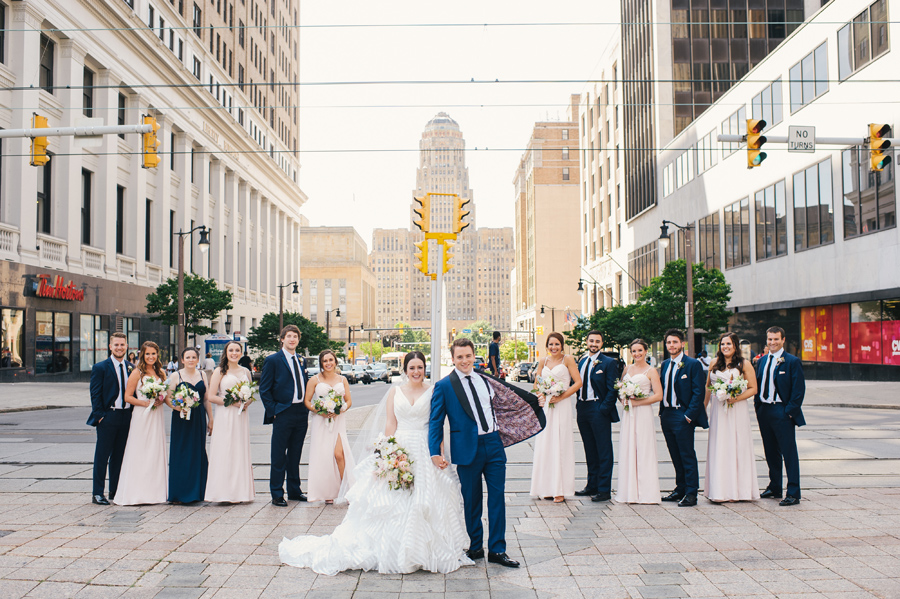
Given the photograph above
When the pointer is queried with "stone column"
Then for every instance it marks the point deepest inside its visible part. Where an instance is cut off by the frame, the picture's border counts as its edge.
(67, 196)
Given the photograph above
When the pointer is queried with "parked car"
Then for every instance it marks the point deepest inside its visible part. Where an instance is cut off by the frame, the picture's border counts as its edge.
(480, 365)
(428, 370)
(520, 372)
(362, 375)
(379, 372)
(347, 371)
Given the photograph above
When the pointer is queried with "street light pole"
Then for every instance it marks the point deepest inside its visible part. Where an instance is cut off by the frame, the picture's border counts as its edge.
(552, 316)
(337, 312)
(689, 274)
(294, 291)
(181, 321)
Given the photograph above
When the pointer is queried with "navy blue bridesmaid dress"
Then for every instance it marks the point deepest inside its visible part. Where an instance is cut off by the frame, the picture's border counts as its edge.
(188, 464)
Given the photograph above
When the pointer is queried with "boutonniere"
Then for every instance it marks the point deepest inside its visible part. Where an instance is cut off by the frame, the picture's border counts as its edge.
(779, 361)
(129, 368)
(679, 366)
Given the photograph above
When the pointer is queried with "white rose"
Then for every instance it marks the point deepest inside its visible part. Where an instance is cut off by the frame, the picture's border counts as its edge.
(329, 405)
(721, 394)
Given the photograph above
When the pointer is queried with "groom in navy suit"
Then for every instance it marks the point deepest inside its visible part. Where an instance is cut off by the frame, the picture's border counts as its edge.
(596, 411)
(465, 398)
(111, 415)
(282, 389)
(680, 412)
(778, 412)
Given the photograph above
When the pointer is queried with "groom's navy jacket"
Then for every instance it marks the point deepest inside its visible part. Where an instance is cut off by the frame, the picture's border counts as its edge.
(789, 385)
(276, 386)
(105, 388)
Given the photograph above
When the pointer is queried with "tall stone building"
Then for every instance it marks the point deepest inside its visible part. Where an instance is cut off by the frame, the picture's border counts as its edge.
(477, 288)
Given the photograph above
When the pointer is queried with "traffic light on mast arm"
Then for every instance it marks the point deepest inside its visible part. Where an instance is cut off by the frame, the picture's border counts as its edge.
(877, 145)
(755, 141)
(424, 213)
(422, 256)
(459, 214)
(39, 144)
(448, 245)
(151, 144)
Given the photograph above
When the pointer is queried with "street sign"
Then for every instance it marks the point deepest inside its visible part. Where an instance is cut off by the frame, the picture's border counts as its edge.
(467, 331)
(531, 343)
(802, 139)
(353, 345)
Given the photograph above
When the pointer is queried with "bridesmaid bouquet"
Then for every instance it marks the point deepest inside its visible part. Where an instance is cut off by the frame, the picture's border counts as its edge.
(729, 389)
(548, 386)
(329, 405)
(186, 399)
(244, 393)
(392, 463)
(152, 390)
(628, 392)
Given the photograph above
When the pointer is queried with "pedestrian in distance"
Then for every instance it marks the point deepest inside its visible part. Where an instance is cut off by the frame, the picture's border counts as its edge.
(110, 415)
(680, 413)
(246, 362)
(494, 354)
(778, 412)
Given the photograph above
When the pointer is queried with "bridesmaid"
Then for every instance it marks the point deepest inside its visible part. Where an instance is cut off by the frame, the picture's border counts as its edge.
(730, 459)
(638, 465)
(553, 472)
(230, 477)
(144, 477)
(330, 456)
(188, 464)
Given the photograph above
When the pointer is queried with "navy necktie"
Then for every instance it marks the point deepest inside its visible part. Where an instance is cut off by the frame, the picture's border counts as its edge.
(766, 376)
(670, 379)
(586, 377)
(122, 385)
(300, 393)
(477, 402)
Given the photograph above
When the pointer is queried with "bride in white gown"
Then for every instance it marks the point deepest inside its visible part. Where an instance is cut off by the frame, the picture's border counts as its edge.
(394, 531)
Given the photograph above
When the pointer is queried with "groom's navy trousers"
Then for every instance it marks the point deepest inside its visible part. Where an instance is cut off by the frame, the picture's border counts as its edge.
(489, 463)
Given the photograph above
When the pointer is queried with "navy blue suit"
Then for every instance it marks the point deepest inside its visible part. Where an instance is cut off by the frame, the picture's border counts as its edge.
(689, 385)
(595, 420)
(289, 421)
(476, 457)
(778, 421)
(112, 425)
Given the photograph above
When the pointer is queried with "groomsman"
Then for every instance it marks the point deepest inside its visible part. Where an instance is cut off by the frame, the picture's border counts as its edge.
(110, 415)
(778, 412)
(282, 389)
(680, 413)
(596, 411)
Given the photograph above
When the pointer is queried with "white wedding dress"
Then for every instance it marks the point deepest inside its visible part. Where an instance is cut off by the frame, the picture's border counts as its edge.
(393, 531)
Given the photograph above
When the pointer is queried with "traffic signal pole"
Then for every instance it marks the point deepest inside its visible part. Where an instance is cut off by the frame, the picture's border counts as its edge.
(783, 139)
(75, 131)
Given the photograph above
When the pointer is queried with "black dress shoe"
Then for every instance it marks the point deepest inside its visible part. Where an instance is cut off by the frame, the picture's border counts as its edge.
(300, 497)
(585, 492)
(279, 501)
(788, 500)
(770, 494)
(601, 497)
(673, 496)
(474, 554)
(503, 560)
(688, 501)
(99, 500)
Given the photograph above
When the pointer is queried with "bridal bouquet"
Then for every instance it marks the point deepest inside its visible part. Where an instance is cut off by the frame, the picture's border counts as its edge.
(244, 393)
(152, 390)
(329, 405)
(548, 386)
(725, 390)
(628, 392)
(392, 463)
(185, 399)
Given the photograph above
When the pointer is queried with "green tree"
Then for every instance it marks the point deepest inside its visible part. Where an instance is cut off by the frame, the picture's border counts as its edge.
(513, 351)
(264, 337)
(482, 330)
(660, 305)
(203, 300)
(620, 326)
(413, 339)
(373, 350)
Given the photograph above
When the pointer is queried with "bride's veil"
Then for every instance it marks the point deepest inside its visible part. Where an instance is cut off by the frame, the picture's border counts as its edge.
(363, 446)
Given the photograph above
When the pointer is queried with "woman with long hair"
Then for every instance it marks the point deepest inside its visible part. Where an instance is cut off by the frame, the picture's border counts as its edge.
(638, 465)
(730, 460)
(230, 477)
(329, 451)
(144, 477)
(553, 471)
(188, 464)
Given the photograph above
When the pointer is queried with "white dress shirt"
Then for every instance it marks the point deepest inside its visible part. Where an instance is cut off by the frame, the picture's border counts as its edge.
(771, 365)
(673, 363)
(484, 398)
(120, 401)
(299, 389)
(586, 377)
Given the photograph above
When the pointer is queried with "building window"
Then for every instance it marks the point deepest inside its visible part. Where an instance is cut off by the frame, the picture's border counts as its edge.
(46, 58)
(736, 124)
(131, 327)
(565, 134)
(87, 93)
(869, 200)
(706, 152)
(198, 21)
(708, 235)
(172, 152)
(241, 77)
(181, 52)
(85, 207)
(863, 39)
(771, 222)
(737, 234)
(565, 173)
(565, 153)
(768, 104)
(813, 206)
(172, 239)
(809, 78)
(120, 219)
(53, 342)
(197, 68)
(2, 32)
(241, 33)
(643, 264)
(94, 340)
(120, 111)
(44, 202)
(12, 340)
(148, 220)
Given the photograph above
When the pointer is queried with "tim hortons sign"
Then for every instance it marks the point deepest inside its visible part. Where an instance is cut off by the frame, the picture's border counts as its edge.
(58, 289)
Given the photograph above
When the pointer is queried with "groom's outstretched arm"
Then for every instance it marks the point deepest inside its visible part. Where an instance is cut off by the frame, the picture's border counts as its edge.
(436, 423)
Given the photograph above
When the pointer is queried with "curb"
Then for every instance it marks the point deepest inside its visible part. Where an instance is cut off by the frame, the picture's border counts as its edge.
(33, 409)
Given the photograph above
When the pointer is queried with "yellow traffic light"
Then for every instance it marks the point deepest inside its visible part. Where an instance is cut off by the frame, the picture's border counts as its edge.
(459, 214)
(39, 144)
(540, 329)
(448, 245)
(424, 214)
(422, 256)
(755, 141)
(877, 145)
(453, 332)
(481, 330)
(151, 144)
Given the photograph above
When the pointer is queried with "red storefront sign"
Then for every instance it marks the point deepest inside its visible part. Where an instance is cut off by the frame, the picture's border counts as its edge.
(808, 333)
(891, 337)
(59, 290)
(823, 334)
(841, 317)
(866, 342)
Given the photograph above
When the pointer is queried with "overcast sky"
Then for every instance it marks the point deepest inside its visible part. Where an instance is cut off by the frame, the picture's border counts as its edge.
(374, 189)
